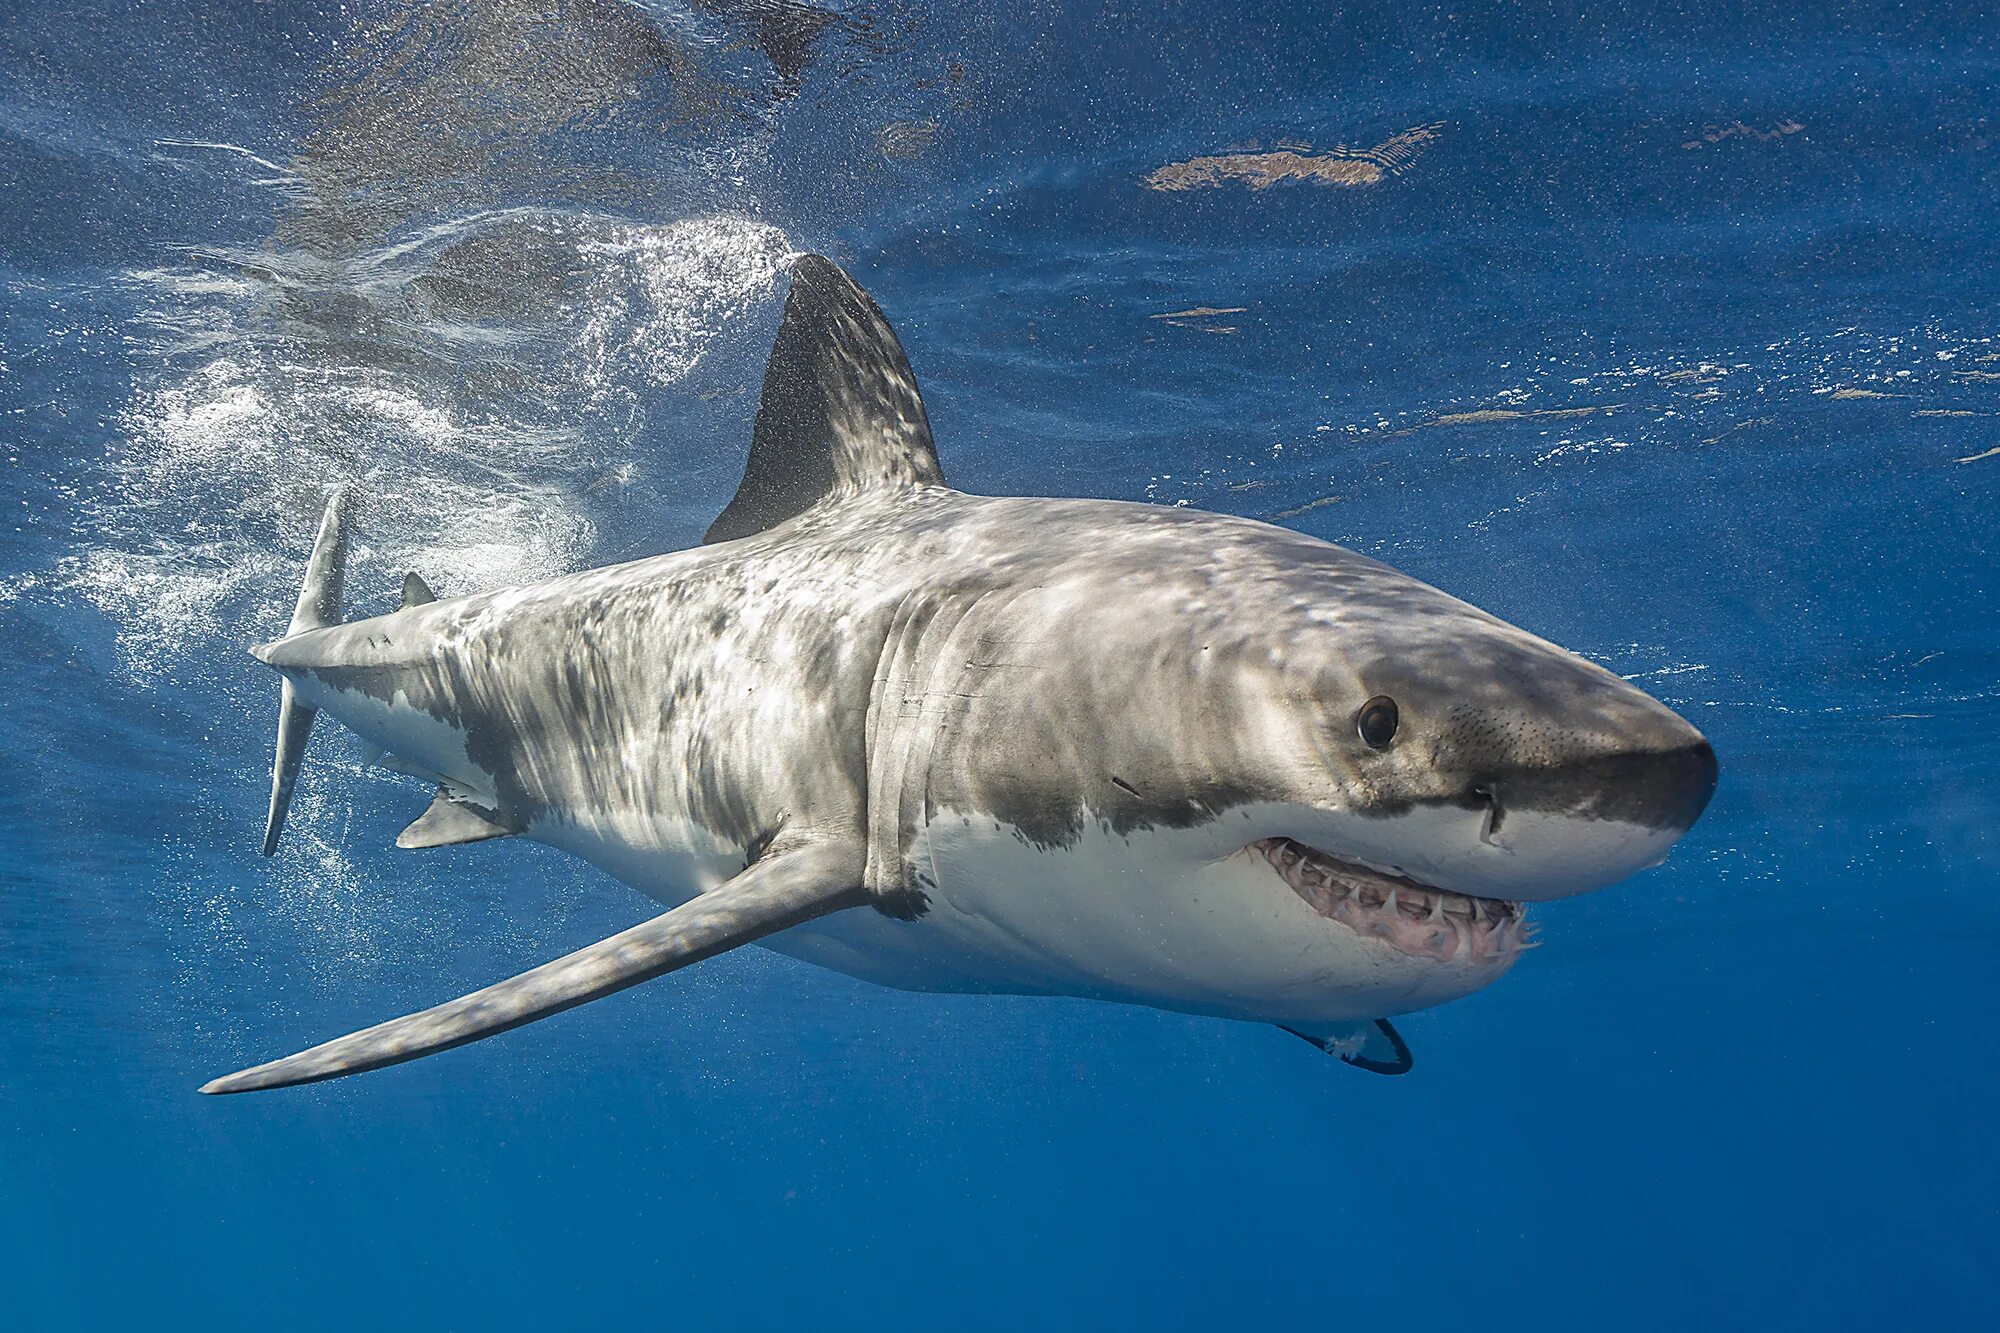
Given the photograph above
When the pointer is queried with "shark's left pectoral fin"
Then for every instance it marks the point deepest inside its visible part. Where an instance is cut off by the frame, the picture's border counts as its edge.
(779, 891)
(454, 818)
(1375, 1046)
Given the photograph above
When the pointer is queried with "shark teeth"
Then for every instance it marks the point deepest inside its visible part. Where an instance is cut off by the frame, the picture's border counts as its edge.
(1415, 919)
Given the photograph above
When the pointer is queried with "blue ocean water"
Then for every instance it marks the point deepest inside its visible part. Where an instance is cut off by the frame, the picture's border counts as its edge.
(1665, 330)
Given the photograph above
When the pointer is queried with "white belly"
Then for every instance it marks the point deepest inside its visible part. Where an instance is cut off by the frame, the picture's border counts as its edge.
(1175, 919)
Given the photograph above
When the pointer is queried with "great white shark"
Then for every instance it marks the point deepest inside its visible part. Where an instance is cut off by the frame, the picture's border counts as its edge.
(948, 742)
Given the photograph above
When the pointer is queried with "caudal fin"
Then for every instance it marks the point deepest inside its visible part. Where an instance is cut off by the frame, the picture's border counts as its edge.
(318, 607)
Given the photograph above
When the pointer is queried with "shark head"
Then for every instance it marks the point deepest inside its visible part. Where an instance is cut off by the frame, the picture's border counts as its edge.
(1409, 733)
(1329, 789)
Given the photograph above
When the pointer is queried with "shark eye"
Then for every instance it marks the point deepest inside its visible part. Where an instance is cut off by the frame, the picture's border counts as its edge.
(1377, 722)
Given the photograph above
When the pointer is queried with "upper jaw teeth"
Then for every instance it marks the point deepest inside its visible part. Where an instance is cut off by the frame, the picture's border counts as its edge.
(1414, 918)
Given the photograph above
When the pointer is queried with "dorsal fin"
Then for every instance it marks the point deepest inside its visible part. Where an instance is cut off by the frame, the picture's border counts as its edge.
(840, 413)
(415, 591)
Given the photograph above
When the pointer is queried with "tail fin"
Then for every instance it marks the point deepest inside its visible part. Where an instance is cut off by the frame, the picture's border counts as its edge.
(319, 606)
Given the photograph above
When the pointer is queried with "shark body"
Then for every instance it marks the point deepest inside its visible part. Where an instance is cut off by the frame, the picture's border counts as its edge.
(947, 742)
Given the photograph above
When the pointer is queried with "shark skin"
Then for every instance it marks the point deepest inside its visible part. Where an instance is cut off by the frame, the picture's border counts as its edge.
(1005, 745)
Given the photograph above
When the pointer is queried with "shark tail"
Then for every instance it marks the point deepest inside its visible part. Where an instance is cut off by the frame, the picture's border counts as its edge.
(318, 607)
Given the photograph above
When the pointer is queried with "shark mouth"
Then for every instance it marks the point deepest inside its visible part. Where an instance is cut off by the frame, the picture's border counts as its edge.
(1413, 918)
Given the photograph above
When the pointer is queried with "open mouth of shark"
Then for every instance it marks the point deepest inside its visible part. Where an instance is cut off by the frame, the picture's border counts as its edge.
(1413, 918)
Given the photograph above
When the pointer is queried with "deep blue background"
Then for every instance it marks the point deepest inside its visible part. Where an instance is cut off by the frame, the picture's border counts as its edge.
(1754, 1088)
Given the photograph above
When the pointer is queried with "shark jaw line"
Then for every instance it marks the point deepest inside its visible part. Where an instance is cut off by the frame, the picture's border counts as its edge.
(1412, 918)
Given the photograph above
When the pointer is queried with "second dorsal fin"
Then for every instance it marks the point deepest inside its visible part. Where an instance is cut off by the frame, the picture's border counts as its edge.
(840, 415)
(416, 592)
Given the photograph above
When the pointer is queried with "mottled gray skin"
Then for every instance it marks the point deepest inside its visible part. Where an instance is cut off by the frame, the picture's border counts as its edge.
(870, 660)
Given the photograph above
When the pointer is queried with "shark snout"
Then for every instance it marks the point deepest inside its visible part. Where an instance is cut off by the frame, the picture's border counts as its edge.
(1676, 785)
(1664, 791)
(1567, 828)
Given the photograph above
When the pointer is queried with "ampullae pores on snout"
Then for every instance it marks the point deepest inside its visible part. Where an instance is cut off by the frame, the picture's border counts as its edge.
(947, 742)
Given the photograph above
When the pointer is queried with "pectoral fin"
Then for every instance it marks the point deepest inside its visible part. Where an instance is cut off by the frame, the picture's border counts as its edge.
(1375, 1047)
(780, 891)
